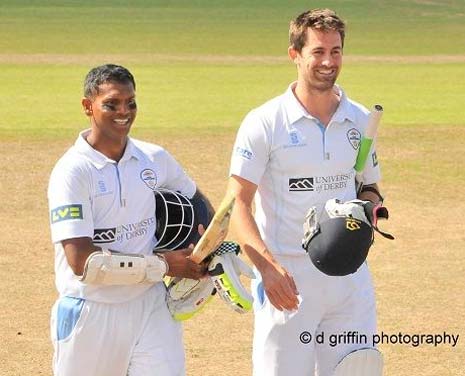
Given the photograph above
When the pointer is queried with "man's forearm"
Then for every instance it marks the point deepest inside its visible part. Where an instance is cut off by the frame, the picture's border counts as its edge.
(249, 236)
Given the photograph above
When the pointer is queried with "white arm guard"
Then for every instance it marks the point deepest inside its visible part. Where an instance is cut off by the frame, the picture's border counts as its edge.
(225, 270)
(112, 268)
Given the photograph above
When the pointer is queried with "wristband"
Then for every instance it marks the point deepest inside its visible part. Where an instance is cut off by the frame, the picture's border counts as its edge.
(367, 188)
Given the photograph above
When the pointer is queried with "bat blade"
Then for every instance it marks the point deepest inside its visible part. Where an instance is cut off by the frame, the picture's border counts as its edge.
(216, 231)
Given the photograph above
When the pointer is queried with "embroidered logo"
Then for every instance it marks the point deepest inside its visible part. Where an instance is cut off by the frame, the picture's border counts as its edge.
(149, 177)
(101, 186)
(294, 138)
(354, 137)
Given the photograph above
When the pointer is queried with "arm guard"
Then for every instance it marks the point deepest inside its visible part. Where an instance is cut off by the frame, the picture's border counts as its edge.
(112, 268)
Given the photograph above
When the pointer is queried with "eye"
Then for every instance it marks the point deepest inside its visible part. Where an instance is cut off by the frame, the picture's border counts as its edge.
(108, 107)
(132, 105)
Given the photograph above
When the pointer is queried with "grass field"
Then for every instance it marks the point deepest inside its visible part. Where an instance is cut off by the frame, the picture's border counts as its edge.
(200, 66)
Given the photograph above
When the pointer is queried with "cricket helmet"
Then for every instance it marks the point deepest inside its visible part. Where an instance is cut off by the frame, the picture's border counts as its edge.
(338, 239)
(177, 219)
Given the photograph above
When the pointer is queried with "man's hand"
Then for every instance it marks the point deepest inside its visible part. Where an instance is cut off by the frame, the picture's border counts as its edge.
(180, 265)
(279, 286)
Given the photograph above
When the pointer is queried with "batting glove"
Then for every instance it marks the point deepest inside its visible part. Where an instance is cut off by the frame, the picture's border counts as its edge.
(225, 269)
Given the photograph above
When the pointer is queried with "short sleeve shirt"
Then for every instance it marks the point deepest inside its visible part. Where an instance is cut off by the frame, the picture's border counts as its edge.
(111, 202)
(298, 163)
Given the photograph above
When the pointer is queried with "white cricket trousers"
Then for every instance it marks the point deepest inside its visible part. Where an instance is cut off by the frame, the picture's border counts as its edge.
(134, 338)
(337, 315)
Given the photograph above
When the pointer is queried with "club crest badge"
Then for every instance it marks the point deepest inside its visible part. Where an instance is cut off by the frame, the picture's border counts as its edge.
(354, 137)
(149, 177)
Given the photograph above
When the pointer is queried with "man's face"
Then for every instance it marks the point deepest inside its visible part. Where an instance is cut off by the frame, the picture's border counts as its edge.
(112, 111)
(320, 61)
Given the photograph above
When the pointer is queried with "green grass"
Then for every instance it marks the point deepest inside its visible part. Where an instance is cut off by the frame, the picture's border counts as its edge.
(43, 98)
(420, 142)
(225, 27)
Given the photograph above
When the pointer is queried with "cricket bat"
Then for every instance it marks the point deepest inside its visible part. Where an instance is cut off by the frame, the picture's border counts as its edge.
(366, 142)
(216, 231)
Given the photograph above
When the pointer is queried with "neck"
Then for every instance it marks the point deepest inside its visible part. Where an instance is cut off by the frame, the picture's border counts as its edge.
(113, 150)
(318, 103)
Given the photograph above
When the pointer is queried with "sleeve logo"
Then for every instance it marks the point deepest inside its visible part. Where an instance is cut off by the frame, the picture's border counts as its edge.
(244, 153)
(65, 212)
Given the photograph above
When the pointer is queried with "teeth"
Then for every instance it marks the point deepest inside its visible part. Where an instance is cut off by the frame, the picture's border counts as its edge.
(121, 121)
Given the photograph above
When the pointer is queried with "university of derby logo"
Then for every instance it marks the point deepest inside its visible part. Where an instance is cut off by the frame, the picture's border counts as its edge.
(301, 184)
(124, 232)
(354, 137)
(320, 184)
(104, 235)
(149, 177)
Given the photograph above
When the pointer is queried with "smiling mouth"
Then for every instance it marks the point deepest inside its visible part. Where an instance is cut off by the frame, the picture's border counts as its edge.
(328, 72)
(122, 121)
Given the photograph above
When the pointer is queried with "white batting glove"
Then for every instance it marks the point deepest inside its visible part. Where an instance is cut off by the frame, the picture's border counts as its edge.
(225, 270)
(185, 297)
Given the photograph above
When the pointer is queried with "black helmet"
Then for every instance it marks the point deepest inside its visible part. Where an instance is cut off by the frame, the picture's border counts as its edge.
(338, 240)
(178, 218)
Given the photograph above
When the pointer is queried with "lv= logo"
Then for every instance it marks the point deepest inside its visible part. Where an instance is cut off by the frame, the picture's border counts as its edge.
(73, 211)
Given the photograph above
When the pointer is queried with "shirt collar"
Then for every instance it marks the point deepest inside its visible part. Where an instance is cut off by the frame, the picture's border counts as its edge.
(98, 159)
(345, 110)
(295, 110)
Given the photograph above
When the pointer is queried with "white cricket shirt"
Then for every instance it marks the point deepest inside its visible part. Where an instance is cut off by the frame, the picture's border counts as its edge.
(298, 163)
(111, 202)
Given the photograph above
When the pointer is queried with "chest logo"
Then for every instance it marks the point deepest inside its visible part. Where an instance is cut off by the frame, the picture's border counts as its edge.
(149, 177)
(354, 137)
(294, 138)
(301, 184)
(104, 235)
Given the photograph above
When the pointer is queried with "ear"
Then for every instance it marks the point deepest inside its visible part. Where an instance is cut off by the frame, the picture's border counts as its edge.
(87, 106)
(293, 54)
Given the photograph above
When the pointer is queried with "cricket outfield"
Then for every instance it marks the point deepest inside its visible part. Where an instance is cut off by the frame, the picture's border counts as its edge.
(200, 66)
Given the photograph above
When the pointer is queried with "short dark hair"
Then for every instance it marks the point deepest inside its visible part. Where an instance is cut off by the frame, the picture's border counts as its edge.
(106, 73)
(318, 19)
